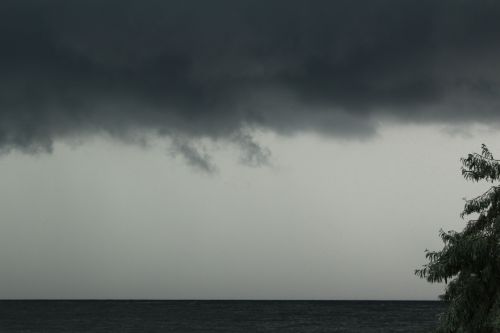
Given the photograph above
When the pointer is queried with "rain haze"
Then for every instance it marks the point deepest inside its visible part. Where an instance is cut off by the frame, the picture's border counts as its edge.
(238, 149)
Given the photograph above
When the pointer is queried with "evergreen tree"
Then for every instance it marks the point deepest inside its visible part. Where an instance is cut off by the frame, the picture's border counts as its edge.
(470, 260)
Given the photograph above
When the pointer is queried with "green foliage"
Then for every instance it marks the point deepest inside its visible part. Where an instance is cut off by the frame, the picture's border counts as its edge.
(470, 259)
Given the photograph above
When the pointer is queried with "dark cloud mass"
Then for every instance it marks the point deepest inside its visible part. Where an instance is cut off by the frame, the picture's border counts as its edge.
(214, 68)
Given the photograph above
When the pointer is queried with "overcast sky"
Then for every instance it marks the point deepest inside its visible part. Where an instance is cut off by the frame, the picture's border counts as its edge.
(238, 149)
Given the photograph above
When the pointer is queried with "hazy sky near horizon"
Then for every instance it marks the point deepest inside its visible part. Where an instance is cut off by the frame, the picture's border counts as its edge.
(328, 219)
(238, 149)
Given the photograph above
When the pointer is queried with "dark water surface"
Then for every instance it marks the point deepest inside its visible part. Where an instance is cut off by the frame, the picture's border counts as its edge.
(218, 316)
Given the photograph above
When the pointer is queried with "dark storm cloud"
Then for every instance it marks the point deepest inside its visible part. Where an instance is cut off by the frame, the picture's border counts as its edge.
(252, 154)
(192, 155)
(212, 68)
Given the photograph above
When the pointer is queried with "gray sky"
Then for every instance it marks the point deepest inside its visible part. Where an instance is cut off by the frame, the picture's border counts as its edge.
(237, 149)
(328, 219)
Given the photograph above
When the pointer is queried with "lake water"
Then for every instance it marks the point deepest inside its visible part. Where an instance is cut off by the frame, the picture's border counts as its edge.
(218, 316)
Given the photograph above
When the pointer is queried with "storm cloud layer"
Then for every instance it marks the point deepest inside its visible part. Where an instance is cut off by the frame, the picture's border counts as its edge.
(211, 69)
